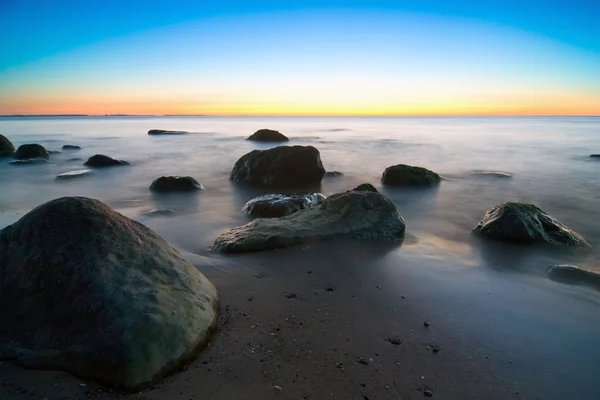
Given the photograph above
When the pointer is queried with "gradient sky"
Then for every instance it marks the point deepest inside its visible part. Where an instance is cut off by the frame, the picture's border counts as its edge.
(300, 58)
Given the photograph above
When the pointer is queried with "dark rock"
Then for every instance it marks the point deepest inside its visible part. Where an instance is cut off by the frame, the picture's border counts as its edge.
(54, 152)
(279, 167)
(268, 135)
(395, 340)
(163, 132)
(6, 147)
(100, 160)
(348, 215)
(365, 187)
(595, 156)
(29, 161)
(175, 184)
(31, 151)
(83, 290)
(74, 159)
(71, 147)
(333, 174)
(158, 212)
(525, 223)
(428, 393)
(406, 175)
(574, 274)
(279, 205)
(74, 174)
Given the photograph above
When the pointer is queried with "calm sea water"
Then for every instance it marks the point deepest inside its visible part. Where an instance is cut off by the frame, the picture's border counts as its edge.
(549, 158)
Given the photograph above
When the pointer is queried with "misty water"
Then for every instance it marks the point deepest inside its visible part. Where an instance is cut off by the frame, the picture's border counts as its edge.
(548, 159)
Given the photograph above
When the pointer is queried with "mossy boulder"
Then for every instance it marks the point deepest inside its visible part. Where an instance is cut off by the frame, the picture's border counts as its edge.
(268, 135)
(6, 147)
(31, 151)
(280, 167)
(166, 184)
(407, 175)
(347, 215)
(279, 205)
(87, 290)
(525, 223)
(100, 160)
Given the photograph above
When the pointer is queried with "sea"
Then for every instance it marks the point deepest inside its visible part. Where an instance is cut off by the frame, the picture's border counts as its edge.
(548, 159)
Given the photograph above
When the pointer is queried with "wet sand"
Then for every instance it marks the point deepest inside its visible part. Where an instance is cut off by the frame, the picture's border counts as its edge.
(316, 323)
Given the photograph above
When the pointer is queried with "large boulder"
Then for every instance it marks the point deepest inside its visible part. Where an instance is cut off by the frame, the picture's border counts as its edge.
(90, 291)
(166, 184)
(6, 147)
(279, 205)
(31, 151)
(163, 132)
(525, 223)
(348, 215)
(280, 167)
(407, 175)
(268, 135)
(100, 160)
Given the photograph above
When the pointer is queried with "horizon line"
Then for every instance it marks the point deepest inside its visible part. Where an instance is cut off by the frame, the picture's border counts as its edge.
(295, 115)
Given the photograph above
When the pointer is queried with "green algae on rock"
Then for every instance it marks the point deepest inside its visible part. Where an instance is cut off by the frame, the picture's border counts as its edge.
(407, 175)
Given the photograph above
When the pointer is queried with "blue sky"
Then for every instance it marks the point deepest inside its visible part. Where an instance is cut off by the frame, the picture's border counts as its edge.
(195, 54)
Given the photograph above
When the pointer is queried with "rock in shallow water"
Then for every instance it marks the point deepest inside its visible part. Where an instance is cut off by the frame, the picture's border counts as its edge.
(6, 147)
(268, 135)
(279, 167)
(29, 161)
(74, 174)
(333, 174)
(492, 174)
(526, 223)
(365, 187)
(407, 175)
(348, 215)
(279, 205)
(89, 291)
(31, 151)
(71, 147)
(163, 132)
(166, 184)
(100, 160)
(574, 274)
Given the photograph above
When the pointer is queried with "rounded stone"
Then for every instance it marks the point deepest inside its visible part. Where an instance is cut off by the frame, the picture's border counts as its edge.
(31, 151)
(175, 184)
(100, 160)
(407, 175)
(6, 147)
(268, 135)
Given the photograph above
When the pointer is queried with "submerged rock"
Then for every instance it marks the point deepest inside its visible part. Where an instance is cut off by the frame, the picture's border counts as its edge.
(175, 184)
(31, 151)
(268, 135)
(348, 215)
(333, 174)
(365, 187)
(163, 132)
(407, 175)
(74, 174)
(492, 174)
(574, 274)
(71, 147)
(158, 212)
(6, 147)
(279, 167)
(89, 291)
(75, 159)
(526, 223)
(100, 160)
(29, 161)
(279, 205)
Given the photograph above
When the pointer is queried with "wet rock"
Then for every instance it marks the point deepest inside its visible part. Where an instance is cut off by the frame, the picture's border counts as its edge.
(166, 184)
(164, 132)
(100, 160)
(71, 147)
(428, 393)
(158, 212)
(29, 161)
(279, 205)
(268, 135)
(279, 167)
(74, 174)
(54, 152)
(333, 174)
(31, 151)
(525, 223)
(348, 215)
(574, 274)
(407, 175)
(492, 174)
(365, 187)
(7, 149)
(91, 285)
(595, 156)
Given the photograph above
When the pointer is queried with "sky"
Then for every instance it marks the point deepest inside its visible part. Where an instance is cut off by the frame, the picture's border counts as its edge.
(311, 57)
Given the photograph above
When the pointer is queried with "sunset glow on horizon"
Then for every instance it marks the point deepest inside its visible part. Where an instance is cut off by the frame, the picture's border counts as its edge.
(385, 60)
